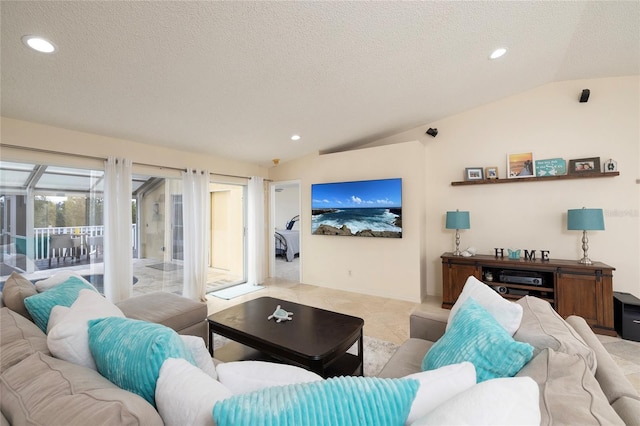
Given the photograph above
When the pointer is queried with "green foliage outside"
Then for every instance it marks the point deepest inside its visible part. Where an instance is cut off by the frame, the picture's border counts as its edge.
(75, 211)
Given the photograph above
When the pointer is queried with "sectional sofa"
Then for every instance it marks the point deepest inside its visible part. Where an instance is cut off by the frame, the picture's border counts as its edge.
(579, 382)
(39, 388)
(563, 375)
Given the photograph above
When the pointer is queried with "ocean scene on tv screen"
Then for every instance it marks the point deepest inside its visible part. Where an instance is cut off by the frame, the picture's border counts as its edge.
(370, 208)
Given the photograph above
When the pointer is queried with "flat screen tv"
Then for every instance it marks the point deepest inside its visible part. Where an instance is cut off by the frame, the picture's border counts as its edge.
(368, 208)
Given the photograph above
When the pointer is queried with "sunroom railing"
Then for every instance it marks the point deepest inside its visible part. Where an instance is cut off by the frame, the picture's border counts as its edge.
(41, 236)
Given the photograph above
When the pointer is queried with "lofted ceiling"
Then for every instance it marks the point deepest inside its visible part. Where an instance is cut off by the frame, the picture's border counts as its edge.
(237, 79)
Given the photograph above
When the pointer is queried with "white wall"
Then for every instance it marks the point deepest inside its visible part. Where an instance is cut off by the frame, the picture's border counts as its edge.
(287, 205)
(386, 267)
(552, 123)
(547, 120)
(33, 135)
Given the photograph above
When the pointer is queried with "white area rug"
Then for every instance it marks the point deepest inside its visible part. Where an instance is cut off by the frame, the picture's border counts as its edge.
(376, 352)
(235, 291)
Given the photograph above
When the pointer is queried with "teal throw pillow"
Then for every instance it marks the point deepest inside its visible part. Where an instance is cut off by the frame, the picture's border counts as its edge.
(476, 336)
(336, 401)
(40, 305)
(130, 352)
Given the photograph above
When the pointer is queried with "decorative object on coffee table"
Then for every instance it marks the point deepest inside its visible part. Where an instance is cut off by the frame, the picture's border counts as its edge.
(280, 315)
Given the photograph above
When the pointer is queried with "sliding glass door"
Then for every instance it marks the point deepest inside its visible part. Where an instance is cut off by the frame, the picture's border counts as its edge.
(228, 236)
(51, 218)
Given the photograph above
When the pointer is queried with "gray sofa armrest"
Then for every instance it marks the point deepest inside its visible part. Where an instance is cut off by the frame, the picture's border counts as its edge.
(427, 323)
(179, 313)
(613, 383)
(628, 409)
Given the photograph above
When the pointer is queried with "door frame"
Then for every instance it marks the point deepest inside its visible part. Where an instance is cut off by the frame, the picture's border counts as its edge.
(272, 223)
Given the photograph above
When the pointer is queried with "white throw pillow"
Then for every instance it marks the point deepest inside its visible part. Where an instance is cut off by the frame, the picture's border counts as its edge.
(248, 376)
(200, 354)
(504, 401)
(508, 314)
(57, 278)
(57, 313)
(68, 337)
(438, 386)
(185, 395)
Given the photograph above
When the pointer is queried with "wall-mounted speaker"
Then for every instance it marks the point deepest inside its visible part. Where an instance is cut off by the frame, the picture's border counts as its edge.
(584, 97)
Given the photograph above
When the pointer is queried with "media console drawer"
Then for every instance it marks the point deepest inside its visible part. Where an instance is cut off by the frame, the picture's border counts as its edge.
(626, 308)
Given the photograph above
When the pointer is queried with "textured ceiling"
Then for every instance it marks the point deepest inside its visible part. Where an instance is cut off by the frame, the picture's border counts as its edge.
(237, 79)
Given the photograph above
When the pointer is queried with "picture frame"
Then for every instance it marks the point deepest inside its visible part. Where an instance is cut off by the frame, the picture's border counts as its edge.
(473, 173)
(580, 166)
(610, 166)
(491, 172)
(520, 165)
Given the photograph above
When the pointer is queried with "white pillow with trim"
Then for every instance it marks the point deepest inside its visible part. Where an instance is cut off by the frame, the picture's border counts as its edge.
(438, 386)
(57, 313)
(56, 279)
(508, 314)
(68, 332)
(186, 395)
(248, 376)
(503, 401)
(200, 354)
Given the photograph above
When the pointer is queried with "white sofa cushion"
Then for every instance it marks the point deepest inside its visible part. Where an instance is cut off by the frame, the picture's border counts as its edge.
(507, 314)
(504, 401)
(200, 353)
(185, 395)
(248, 376)
(68, 336)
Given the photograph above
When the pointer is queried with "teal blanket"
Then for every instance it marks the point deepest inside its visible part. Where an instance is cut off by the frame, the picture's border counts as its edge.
(336, 401)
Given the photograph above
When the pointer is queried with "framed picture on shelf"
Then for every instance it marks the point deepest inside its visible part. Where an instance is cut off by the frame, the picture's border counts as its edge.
(491, 172)
(473, 173)
(581, 166)
(520, 165)
(551, 167)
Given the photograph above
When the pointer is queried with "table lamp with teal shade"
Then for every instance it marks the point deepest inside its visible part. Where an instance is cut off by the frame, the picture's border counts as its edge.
(457, 220)
(585, 220)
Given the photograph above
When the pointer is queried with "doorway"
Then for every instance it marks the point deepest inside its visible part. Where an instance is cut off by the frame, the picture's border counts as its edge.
(286, 242)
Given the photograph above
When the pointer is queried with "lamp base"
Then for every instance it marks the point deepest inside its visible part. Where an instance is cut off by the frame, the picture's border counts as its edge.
(585, 249)
(457, 252)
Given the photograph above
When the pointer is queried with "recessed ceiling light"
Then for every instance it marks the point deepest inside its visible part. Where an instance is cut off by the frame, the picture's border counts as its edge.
(498, 53)
(295, 137)
(38, 43)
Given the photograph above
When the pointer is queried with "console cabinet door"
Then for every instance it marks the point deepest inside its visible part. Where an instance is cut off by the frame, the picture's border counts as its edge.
(454, 275)
(587, 295)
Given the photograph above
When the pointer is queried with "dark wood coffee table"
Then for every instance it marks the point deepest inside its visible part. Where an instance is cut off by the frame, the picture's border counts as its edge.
(316, 339)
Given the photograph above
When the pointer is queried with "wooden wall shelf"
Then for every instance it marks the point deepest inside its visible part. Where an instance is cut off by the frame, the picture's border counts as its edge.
(534, 179)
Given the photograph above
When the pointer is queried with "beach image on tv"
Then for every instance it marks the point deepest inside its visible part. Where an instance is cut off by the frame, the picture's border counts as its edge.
(371, 208)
